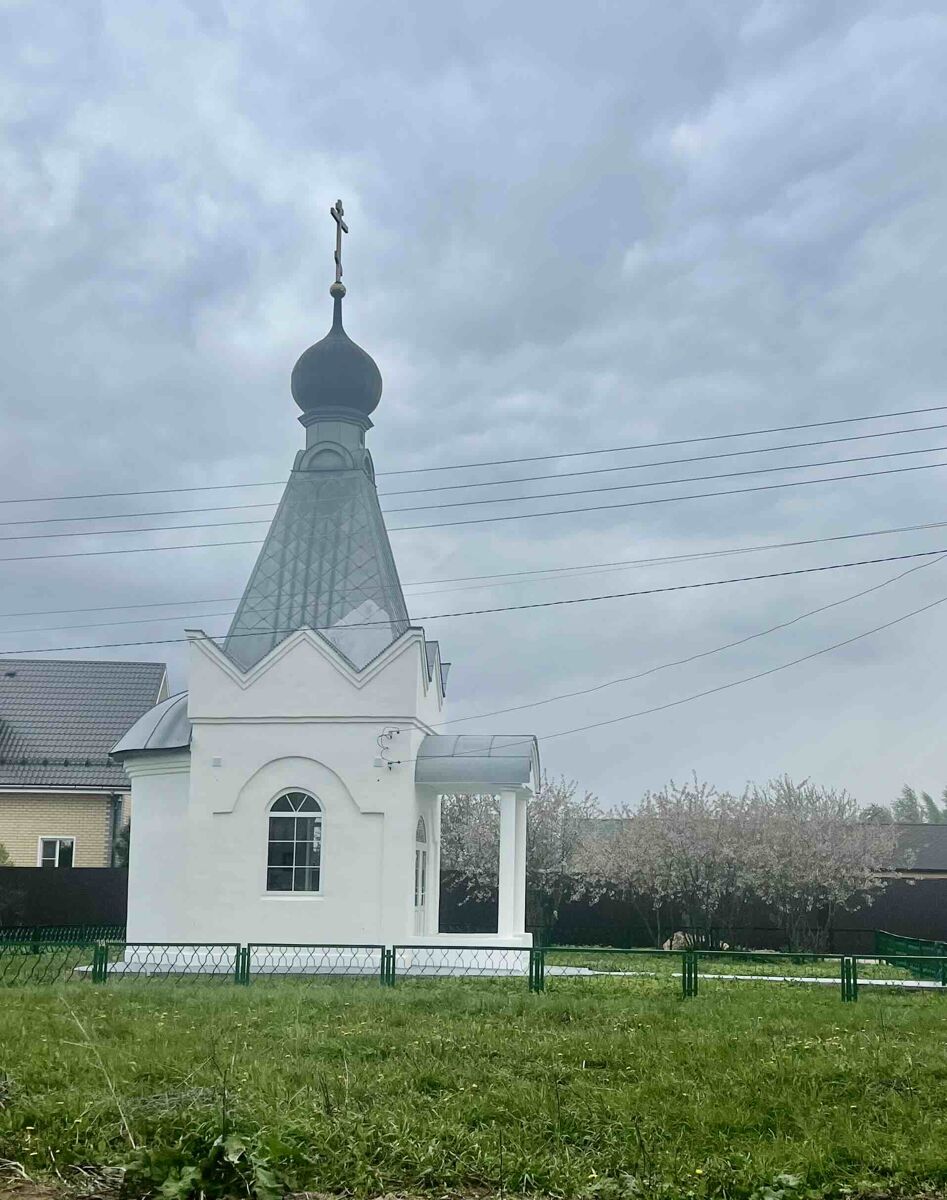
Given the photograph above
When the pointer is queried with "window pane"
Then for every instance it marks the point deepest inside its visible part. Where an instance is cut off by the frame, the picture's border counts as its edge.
(48, 857)
(308, 854)
(307, 829)
(307, 804)
(281, 854)
(282, 829)
(282, 805)
(65, 852)
(279, 879)
(307, 879)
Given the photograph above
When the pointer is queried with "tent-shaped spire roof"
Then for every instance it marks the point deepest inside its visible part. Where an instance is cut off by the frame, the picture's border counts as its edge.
(327, 563)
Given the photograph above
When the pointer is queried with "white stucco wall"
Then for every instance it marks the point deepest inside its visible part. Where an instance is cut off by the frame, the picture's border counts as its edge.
(300, 720)
(157, 852)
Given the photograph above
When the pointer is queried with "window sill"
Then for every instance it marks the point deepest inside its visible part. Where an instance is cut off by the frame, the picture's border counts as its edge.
(293, 897)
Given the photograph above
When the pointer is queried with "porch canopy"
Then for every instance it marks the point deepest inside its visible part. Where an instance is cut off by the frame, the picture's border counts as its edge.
(478, 762)
(507, 764)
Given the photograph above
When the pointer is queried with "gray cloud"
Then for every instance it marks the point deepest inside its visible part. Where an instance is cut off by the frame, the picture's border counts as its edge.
(651, 222)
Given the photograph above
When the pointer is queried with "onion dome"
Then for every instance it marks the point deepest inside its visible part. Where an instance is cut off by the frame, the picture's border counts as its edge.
(336, 374)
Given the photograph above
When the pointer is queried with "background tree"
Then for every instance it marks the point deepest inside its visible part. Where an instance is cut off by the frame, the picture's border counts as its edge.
(810, 855)
(684, 847)
(120, 846)
(912, 808)
(879, 813)
(557, 827)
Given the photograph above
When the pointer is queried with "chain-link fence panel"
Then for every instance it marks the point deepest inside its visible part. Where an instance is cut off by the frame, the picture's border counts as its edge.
(26, 963)
(495, 962)
(184, 962)
(312, 962)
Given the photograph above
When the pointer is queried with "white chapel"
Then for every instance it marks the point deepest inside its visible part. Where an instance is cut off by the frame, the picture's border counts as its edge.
(292, 794)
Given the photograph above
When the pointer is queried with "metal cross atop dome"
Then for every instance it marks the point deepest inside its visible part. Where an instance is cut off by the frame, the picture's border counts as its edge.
(336, 213)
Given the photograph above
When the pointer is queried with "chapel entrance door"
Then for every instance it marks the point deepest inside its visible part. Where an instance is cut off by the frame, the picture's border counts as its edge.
(420, 876)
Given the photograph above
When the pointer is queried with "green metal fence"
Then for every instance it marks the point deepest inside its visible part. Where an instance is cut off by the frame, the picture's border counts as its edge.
(892, 946)
(116, 962)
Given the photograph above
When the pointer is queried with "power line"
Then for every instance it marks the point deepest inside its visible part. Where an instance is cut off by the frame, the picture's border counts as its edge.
(478, 612)
(723, 687)
(679, 662)
(469, 520)
(506, 579)
(648, 483)
(668, 462)
(562, 512)
(622, 487)
(218, 487)
(491, 483)
(714, 437)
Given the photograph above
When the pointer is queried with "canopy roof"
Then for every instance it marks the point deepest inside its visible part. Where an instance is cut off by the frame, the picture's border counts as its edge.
(473, 760)
(164, 727)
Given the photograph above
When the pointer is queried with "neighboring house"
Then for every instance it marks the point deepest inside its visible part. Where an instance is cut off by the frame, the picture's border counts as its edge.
(62, 799)
(921, 852)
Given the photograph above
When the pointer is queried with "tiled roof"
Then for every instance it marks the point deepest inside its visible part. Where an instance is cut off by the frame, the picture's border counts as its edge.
(59, 719)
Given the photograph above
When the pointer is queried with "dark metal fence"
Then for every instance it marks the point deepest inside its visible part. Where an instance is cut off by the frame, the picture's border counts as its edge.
(70, 934)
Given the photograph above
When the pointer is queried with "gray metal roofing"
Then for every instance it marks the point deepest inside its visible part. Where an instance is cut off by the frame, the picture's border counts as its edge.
(164, 727)
(326, 565)
(59, 719)
(477, 760)
(922, 848)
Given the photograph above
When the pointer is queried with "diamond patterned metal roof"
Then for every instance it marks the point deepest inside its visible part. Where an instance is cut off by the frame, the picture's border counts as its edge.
(326, 565)
(59, 719)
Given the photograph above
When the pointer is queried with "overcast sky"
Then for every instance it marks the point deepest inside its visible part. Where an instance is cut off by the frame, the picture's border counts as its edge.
(572, 227)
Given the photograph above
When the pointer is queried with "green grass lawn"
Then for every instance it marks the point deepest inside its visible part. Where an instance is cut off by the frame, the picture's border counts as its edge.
(600, 1087)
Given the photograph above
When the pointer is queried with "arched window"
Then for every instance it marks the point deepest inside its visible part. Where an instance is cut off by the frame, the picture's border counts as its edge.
(294, 851)
(420, 876)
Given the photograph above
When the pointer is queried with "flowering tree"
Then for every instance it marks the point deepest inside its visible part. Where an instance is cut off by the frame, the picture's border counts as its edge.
(681, 847)
(812, 855)
(557, 823)
(800, 849)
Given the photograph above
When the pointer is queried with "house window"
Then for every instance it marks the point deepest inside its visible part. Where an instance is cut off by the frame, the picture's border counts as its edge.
(420, 874)
(294, 850)
(56, 852)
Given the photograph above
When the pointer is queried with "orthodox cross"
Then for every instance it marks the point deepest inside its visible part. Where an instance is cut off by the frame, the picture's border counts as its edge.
(340, 227)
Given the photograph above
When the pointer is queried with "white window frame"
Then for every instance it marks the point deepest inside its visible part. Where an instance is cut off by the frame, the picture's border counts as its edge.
(57, 838)
(293, 897)
(421, 848)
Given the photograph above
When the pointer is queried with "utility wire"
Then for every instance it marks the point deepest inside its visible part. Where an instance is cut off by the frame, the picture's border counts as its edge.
(464, 521)
(648, 483)
(505, 579)
(562, 512)
(478, 612)
(622, 487)
(723, 687)
(716, 437)
(490, 483)
(680, 662)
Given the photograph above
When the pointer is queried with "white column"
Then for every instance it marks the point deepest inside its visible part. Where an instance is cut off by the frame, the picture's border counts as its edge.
(434, 869)
(519, 870)
(506, 908)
